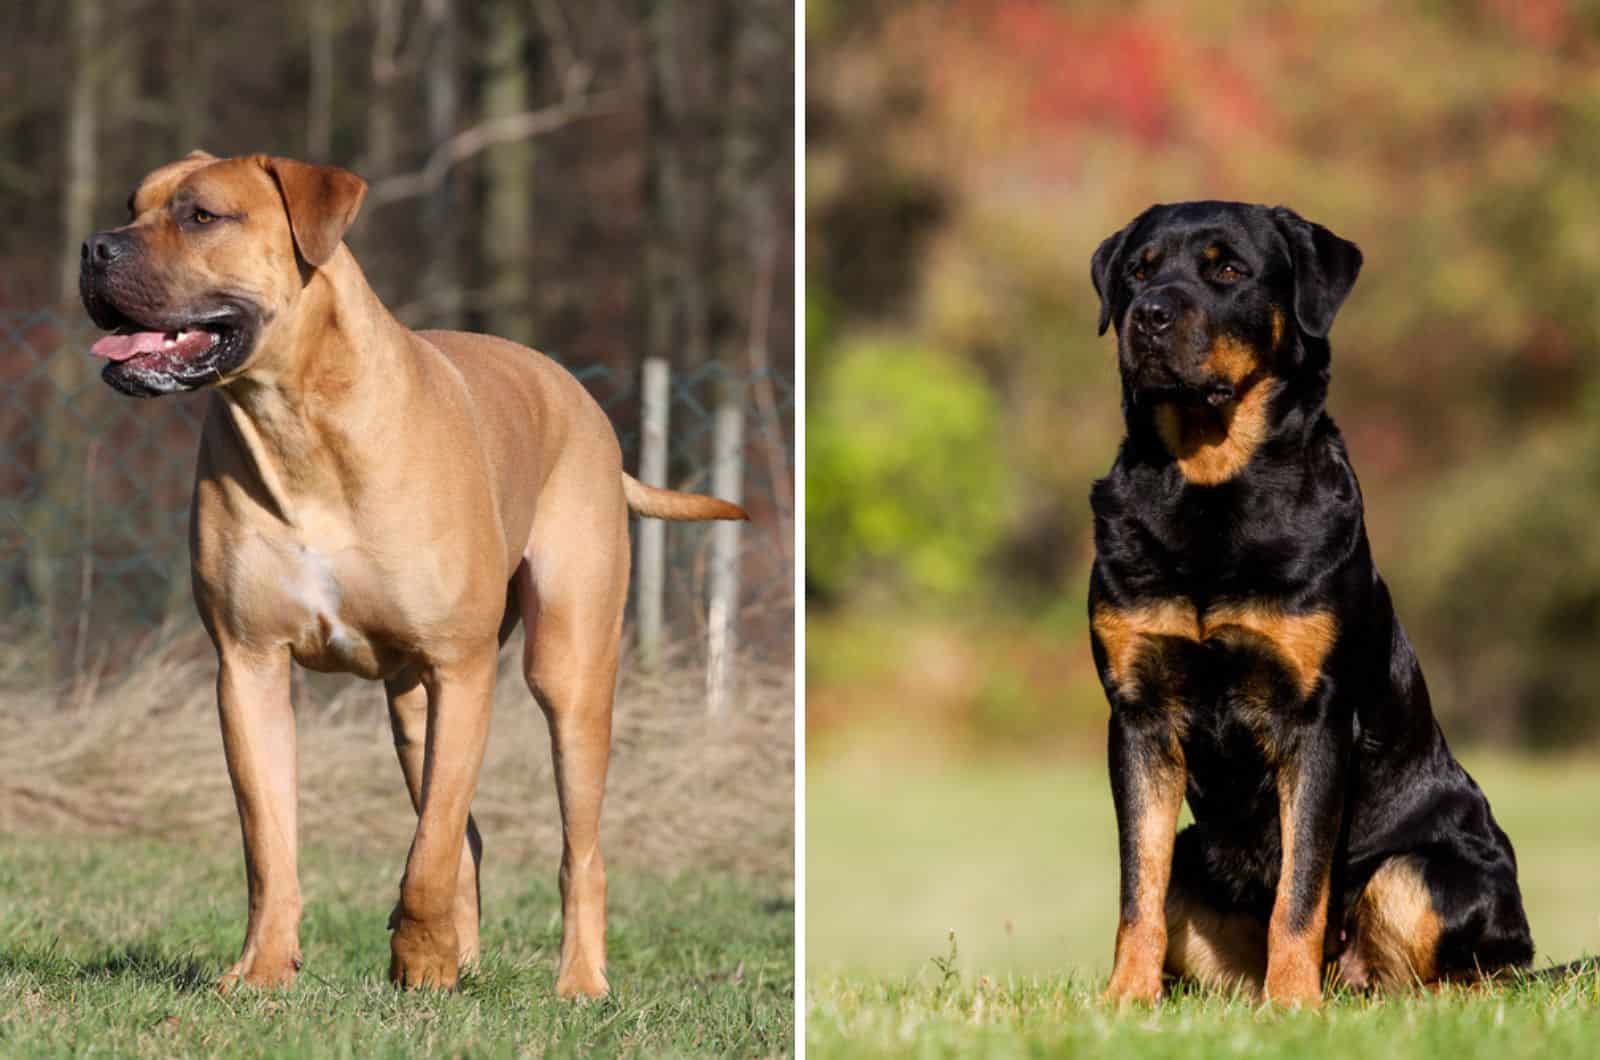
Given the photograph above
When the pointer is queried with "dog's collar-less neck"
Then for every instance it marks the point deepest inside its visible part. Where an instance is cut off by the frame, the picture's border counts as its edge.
(290, 419)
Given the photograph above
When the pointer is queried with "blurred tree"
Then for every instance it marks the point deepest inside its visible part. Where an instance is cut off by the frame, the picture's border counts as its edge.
(510, 149)
(966, 157)
(906, 485)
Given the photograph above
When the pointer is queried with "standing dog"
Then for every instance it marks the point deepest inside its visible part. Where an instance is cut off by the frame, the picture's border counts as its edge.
(1250, 651)
(382, 502)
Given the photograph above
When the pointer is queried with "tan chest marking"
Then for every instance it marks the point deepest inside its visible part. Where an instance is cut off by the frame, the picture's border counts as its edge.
(1301, 640)
(1210, 445)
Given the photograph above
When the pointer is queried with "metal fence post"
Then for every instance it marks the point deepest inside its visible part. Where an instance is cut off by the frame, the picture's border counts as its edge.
(656, 406)
(727, 481)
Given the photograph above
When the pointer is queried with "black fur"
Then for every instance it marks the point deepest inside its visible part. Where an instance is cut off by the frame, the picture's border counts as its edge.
(1287, 531)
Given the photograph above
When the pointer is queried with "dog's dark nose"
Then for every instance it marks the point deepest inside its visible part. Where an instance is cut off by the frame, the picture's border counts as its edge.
(103, 248)
(1154, 314)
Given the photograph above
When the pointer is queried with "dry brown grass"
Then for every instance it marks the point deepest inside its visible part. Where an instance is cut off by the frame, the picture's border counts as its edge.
(142, 756)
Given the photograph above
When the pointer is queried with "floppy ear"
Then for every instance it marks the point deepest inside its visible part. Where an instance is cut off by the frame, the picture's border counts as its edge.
(1325, 268)
(1103, 270)
(321, 201)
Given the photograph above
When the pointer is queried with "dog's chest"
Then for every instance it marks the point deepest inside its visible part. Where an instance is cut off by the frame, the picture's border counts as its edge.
(1232, 673)
(310, 598)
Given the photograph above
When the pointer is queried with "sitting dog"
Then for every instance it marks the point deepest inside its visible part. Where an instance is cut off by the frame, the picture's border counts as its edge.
(382, 502)
(1250, 652)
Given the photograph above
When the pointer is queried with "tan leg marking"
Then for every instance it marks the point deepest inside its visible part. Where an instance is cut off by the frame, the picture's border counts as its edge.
(1294, 958)
(1212, 445)
(1141, 945)
(1397, 930)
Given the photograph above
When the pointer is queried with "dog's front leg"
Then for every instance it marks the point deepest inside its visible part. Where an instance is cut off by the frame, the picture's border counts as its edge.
(425, 945)
(259, 741)
(1310, 802)
(1148, 775)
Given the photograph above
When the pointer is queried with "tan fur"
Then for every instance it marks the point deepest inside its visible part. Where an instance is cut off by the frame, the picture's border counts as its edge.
(1395, 942)
(1211, 445)
(1214, 950)
(1232, 359)
(1277, 328)
(1124, 633)
(1301, 640)
(1294, 958)
(368, 499)
(1141, 944)
(1225, 951)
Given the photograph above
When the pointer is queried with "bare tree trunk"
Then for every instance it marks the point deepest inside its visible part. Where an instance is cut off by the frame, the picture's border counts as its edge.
(379, 161)
(83, 111)
(442, 276)
(507, 222)
(679, 313)
(191, 79)
(319, 107)
(50, 520)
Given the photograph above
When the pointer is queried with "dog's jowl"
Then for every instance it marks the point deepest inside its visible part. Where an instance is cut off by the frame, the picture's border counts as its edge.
(1251, 655)
(381, 502)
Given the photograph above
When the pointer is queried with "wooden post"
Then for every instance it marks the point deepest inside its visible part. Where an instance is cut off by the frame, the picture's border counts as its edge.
(727, 481)
(657, 402)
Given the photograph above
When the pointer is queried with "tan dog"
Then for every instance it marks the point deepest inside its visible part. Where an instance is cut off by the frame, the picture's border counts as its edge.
(380, 502)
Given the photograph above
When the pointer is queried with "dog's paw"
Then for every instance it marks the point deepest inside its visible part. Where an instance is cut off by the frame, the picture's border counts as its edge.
(579, 979)
(1294, 984)
(1133, 986)
(423, 955)
(256, 969)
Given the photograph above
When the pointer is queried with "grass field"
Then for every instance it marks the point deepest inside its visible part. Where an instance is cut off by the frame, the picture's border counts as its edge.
(1019, 863)
(110, 946)
(122, 891)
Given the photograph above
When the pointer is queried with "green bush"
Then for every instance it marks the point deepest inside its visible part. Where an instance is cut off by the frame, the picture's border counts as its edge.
(906, 486)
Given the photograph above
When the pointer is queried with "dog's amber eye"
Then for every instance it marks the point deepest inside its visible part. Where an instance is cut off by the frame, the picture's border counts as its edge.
(1141, 273)
(1227, 274)
(203, 217)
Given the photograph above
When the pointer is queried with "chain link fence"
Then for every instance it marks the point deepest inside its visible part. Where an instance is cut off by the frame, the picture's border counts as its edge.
(95, 491)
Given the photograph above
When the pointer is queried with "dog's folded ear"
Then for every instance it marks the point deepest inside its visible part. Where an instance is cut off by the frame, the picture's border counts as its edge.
(1325, 268)
(322, 203)
(1103, 270)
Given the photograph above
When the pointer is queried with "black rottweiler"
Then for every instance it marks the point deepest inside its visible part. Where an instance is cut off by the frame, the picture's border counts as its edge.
(1250, 651)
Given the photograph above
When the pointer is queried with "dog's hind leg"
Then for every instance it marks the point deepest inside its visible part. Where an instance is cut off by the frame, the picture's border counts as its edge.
(1219, 948)
(408, 717)
(571, 589)
(1423, 919)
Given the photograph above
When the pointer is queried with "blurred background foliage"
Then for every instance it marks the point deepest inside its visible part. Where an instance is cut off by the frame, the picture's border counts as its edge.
(964, 159)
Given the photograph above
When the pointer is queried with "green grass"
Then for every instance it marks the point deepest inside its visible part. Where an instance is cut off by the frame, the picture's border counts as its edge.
(927, 1016)
(110, 948)
(1019, 861)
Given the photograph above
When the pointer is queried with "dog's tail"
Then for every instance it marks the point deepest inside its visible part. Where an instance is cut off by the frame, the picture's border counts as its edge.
(655, 503)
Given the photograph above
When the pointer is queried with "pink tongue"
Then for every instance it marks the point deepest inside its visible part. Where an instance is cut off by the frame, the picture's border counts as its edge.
(121, 347)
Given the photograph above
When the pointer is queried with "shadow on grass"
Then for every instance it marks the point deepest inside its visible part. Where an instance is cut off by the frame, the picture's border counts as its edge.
(142, 962)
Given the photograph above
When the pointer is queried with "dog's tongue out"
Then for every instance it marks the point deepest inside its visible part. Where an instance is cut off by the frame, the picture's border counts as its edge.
(179, 343)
